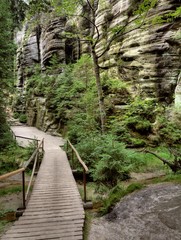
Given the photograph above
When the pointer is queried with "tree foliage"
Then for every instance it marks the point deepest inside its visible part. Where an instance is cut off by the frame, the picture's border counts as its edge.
(6, 64)
(18, 11)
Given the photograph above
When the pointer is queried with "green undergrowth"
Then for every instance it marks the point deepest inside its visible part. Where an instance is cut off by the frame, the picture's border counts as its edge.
(116, 193)
(13, 156)
(10, 190)
(149, 163)
(175, 178)
(3, 223)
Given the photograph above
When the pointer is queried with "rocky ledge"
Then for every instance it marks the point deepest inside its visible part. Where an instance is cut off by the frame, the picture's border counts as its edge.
(152, 213)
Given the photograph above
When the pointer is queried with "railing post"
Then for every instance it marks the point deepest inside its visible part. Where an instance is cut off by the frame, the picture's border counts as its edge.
(72, 159)
(84, 181)
(43, 145)
(23, 189)
(67, 146)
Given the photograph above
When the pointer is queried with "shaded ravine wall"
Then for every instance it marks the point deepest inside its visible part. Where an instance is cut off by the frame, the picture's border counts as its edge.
(148, 59)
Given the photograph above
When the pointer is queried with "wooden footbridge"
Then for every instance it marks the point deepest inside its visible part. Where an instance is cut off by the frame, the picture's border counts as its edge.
(55, 209)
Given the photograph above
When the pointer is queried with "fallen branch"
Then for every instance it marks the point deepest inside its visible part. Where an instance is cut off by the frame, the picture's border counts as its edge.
(175, 166)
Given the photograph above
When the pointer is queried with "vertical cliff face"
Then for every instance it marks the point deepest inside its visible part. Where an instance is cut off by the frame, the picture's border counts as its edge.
(28, 52)
(38, 44)
(53, 41)
(148, 58)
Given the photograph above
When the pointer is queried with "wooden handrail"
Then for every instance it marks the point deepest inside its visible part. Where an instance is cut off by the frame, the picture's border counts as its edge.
(85, 168)
(31, 178)
(78, 157)
(10, 174)
(22, 170)
(34, 154)
(33, 139)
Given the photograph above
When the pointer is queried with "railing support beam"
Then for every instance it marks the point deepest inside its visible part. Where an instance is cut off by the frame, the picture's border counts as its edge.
(23, 189)
(84, 181)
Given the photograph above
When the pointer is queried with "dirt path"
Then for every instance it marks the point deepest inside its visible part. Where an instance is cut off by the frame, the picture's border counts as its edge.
(51, 142)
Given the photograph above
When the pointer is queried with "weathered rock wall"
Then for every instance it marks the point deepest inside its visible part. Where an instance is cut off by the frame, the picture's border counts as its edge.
(37, 45)
(147, 58)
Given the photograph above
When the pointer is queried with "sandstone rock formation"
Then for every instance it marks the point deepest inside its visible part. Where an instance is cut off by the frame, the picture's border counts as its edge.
(152, 213)
(147, 58)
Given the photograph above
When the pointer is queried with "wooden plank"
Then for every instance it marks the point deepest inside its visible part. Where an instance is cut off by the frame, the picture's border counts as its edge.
(57, 207)
(46, 227)
(53, 214)
(52, 196)
(55, 219)
(65, 204)
(59, 223)
(53, 201)
(44, 238)
(58, 232)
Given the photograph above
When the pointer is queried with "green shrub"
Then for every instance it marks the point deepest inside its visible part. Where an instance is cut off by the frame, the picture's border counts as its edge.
(109, 161)
(12, 156)
(16, 115)
(23, 118)
(137, 143)
(169, 130)
(139, 116)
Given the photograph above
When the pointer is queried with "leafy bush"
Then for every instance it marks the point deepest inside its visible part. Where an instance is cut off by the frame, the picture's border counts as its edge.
(6, 138)
(16, 115)
(169, 130)
(23, 118)
(12, 156)
(136, 123)
(139, 116)
(109, 161)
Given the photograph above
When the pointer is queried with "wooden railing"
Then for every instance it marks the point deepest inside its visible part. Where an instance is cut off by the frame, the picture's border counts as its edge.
(85, 168)
(35, 157)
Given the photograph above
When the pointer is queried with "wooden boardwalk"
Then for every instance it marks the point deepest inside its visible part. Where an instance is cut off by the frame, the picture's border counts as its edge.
(55, 209)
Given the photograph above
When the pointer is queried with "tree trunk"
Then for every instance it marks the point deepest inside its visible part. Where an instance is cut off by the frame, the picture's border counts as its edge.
(93, 7)
(175, 166)
(99, 91)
